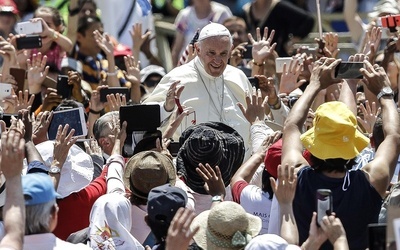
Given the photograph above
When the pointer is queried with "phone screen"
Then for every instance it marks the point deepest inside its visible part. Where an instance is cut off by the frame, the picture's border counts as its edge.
(19, 76)
(63, 88)
(73, 117)
(174, 148)
(142, 117)
(349, 70)
(113, 90)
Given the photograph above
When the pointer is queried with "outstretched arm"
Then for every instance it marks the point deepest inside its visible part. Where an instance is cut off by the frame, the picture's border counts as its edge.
(321, 78)
(381, 169)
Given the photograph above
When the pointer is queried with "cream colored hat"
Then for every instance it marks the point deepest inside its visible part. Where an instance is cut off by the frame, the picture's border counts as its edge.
(214, 29)
(225, 226)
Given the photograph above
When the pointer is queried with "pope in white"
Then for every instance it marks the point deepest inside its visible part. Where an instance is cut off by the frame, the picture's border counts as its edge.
(208, 85)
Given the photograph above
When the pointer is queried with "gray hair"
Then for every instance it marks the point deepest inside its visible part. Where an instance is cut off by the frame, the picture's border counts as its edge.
(101, 124)
(37, 220)
(230, 40)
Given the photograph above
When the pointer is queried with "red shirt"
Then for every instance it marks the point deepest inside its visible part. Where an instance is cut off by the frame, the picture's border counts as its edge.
(75, 209)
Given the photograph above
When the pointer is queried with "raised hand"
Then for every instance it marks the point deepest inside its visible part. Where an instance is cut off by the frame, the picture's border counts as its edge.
(285, 189)
(179, 233)
(12, 154)
(255, 106)
(23, 100)
(331, 43)
(93, 148)
(375, 77)
(115, 101)
(37, 72)
(173, 92)
(370, 114)
(104, 42)
(214, 184)
(51, 100)
(262, 48)
(94, 103)
(289, 77)
(26, 119)
(323, 72)
(137, 37)
(372, 42)
(40, 126)
(236, 54)
(63, 143)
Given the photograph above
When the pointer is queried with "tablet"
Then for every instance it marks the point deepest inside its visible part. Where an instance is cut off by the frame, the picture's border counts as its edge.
(142, 117)
(75, 118)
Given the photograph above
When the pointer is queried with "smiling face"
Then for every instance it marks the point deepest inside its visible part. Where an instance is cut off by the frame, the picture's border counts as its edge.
(214, 53)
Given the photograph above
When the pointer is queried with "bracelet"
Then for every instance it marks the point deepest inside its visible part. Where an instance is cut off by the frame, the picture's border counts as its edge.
(55, 35)
(258, 64)
(277, 105)
(95, 112)
(74, 12)
(112, 74)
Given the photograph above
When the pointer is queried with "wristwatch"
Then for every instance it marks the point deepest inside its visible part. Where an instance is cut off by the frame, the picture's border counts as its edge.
(216, 198)
(386, 91)
(54, 170)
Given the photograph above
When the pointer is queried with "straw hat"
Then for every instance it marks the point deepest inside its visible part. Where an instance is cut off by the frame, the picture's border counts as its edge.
(225, 226)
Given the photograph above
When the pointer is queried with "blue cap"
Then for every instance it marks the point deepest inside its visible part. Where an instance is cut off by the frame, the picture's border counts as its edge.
(38, 188)
(164, 201)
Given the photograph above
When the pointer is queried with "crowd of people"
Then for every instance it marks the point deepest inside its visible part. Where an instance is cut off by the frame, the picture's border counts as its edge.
(234, 153)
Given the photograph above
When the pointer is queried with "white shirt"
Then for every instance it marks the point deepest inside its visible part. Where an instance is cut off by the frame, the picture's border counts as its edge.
(114, 14)
(205, 95)
(49, 241)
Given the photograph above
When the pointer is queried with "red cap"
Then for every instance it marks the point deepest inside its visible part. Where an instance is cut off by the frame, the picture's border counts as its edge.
(273, 158)
(122, 50)
(8, 6)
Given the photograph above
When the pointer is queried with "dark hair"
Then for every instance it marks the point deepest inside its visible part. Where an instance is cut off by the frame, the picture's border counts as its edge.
(55, 13)
(85, 22)
(160, 231)
(330, 165)
(266, 183)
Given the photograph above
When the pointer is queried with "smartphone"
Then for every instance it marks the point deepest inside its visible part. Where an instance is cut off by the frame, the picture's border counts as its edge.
(75, 118)
(29, 42)
(29, 28)
(174, 148)
(7, 119)
(248, 53)
(5, 90)
(377, 236)
(19, 76)
(349, 70)
(142, 117)
(113, 90)
(63, 88)
(324, 204)
(280, 62)
(255, 82)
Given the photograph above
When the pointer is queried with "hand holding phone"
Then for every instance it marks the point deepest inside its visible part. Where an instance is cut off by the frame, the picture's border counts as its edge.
(5, 90)
(324, 204)
(349, 70)
(63, 88)
(29, 28)
(112, 90)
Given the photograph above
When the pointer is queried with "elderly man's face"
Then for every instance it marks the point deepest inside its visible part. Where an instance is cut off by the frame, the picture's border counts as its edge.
(214, 53)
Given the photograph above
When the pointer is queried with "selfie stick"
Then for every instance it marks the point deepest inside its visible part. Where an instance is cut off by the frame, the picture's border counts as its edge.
(319, 19)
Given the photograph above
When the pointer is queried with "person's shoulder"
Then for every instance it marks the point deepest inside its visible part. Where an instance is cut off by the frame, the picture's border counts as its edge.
(61, 244)
(219, 7)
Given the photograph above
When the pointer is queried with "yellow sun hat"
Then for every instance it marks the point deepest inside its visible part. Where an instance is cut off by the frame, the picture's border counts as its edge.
(334, 134)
